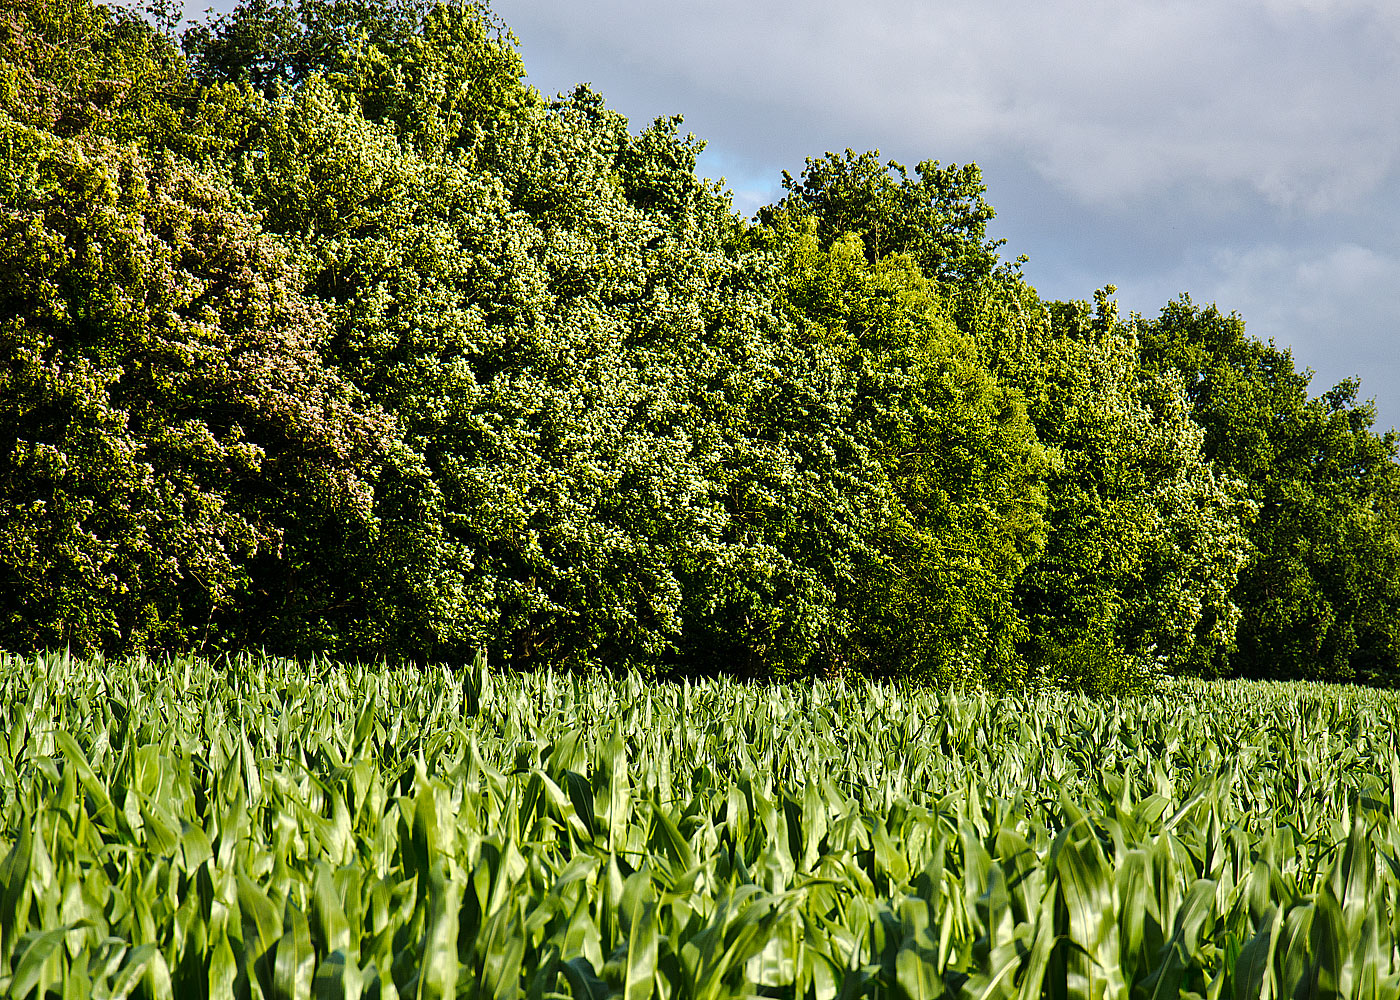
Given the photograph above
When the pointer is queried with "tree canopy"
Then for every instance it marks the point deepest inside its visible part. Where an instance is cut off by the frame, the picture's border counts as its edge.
(324, 332)
(1320, 591)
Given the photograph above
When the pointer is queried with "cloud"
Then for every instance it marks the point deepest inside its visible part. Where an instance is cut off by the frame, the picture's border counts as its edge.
(1294, 100)
(1305, 285)
(1334, 305)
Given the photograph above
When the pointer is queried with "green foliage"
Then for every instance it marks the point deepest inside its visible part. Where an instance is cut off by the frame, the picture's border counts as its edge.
(1146, 537)
(939, 220)
(957, 450)
(434, 70)
(1320, 594)
(323, 330)
(74, 68)
(261, 828)
(619, 452)
(164, 418)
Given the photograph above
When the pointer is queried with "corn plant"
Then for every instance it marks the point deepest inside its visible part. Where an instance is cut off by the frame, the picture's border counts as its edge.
(266, 829)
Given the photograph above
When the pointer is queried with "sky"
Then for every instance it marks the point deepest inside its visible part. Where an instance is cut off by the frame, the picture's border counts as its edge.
(1245, 153)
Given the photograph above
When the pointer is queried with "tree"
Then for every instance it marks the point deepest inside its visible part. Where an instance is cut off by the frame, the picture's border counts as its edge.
(338, 337)
(1319, 595)
(165, 424)
(433, 69)
(619, 451)
(959, 455)
(1145, 537)
(86, 69)
(277, 44)
(939, 220)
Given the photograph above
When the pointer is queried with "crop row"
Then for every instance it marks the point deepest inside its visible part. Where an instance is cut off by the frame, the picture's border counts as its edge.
(268, 829)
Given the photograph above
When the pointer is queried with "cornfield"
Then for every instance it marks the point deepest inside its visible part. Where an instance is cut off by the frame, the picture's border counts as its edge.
(261, 828)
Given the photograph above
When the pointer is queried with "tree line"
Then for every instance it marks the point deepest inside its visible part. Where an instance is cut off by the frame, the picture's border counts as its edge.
(321, 331)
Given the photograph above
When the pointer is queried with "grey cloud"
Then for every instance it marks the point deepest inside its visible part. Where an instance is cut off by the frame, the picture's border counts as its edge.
(1108, 100)
(1334, 305)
